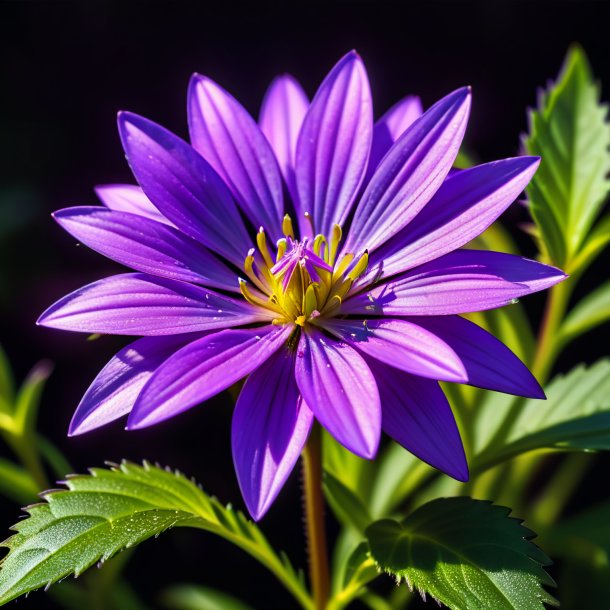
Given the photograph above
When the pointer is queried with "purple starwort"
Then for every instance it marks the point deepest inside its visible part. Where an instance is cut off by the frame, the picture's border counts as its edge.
(343, 306)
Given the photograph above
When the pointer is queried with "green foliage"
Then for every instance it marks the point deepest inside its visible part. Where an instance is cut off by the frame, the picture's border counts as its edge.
(466, 554)
(569, 130)
(193, 597)
(576, 415)
(590, 312)
(104, 512)
(346, 505)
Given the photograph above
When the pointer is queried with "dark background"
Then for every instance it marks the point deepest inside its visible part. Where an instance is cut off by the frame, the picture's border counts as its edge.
(67, 68)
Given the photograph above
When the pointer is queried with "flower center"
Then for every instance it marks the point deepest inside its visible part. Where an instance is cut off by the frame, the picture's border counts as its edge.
(303, 280)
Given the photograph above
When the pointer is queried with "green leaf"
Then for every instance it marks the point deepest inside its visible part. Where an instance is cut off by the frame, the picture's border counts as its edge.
(28, 398)
(353, 471)
(585, 536)
(346, 505)
(576, 415)
(108, 510)
(7, 386)
(194, 597)
(569, 130)
(16, 483)
(591, 311)
(467, 554)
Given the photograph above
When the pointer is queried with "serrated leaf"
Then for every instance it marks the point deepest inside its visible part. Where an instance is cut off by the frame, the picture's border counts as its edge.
(108, 510)
(569, 130)
(591, 311)
(195, 597)
(576, 415)
(467, 554)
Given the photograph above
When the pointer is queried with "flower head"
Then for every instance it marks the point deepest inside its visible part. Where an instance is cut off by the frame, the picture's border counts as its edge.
(344, 306)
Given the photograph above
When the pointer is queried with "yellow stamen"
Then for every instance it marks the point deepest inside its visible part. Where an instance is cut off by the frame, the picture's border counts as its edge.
(311, 302)
(261, 242)
(317, 244)
(346, 259)
(287, 227)
(359, 267)
(300, 320)
(256, 300)
(335, 238)
(282, 244)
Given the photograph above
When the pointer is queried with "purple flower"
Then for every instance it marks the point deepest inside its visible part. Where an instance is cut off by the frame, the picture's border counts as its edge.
(344, 306)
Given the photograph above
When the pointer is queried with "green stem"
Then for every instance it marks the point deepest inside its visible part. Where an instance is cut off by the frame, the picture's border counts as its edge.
(314, 515)
(560, 488)
(546, 351)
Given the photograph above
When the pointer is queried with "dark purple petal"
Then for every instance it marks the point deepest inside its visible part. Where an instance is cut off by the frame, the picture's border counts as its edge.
(460, 282)
(417, 416)
(114, 391)
(340, 389)
(202, 369)
(129, 198)
(231, 141)
(489, 363)
(281, 117)
(184, 187)
(140, 304)
(391, 126)
(403, 345)
(271, 424)
(334, 145)
(410, 173)
(463, 207)
(146, 245)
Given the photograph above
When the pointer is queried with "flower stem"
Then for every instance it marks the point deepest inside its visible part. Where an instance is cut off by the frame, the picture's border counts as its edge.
(314, 515)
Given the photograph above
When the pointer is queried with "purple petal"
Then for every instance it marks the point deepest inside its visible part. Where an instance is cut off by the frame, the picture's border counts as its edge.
(231, 141)
(202, 369)
(417, 416)
(129, 198)
(334, 145)
(410, 173)
(460, 282)
(489, 363)
(114, 391)
(281, 117)
(271, 424)
(463, 207)
(140, 304)
(390, 127)
(185, 188)
(146, 245)
(339, 387)
(403, 345)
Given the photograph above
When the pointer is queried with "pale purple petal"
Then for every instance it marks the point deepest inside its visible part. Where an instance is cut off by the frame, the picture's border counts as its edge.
(202, 369)
(114, 391)
(463, 207)
(146, 245)
(231, 141)
(391, 126)
(129, 198)
(460, 282)
(489, 363)
(339, 387)
(403, 345)
(183, 185)
(334, 145)
(410, 173)
(417, 416)
(281, 117)
(140, 304)
(271, 424)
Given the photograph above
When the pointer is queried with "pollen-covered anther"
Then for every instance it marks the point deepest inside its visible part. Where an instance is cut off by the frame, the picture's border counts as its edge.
(301, 282)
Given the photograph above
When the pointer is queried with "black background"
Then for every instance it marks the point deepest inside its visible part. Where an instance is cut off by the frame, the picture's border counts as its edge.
(67, 68)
